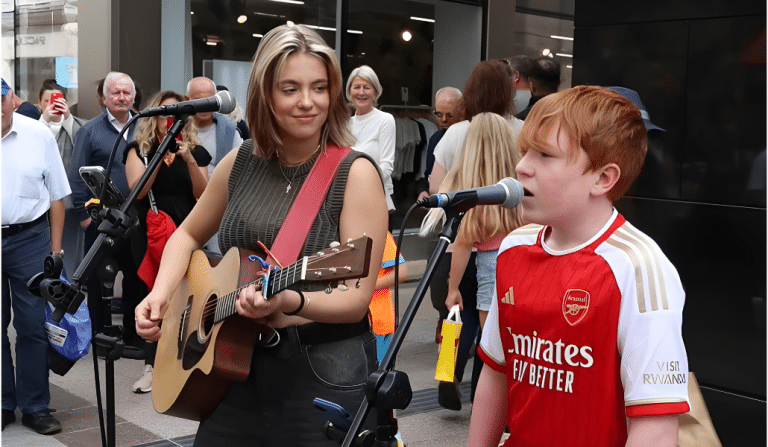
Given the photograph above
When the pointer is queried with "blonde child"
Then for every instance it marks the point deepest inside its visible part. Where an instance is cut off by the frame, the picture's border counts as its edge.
(490, 154)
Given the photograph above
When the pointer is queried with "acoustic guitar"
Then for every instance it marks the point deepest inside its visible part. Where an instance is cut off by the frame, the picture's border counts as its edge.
(205, 345)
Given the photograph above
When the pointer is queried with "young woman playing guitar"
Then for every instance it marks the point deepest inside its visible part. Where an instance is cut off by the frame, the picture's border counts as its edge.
(295, 111)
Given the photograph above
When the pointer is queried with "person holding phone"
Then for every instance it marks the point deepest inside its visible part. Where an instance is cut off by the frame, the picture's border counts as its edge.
(176, 184)
(55, 114)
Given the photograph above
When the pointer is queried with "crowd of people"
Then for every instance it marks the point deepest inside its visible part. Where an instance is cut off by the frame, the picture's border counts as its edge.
(568, 305)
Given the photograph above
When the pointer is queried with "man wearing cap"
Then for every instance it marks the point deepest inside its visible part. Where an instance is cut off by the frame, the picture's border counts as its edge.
(659, 161)
(33, 182)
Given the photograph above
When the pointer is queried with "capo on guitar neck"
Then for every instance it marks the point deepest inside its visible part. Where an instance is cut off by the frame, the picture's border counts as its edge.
(269, 254)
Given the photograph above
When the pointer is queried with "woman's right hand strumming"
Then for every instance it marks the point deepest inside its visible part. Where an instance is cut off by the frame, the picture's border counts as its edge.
(149, 313)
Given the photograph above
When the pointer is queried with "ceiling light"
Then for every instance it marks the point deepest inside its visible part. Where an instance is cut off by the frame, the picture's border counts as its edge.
(422, 19)
(293, 2)
(563, 55)
(569, 66)
(265, 14)
(561, 37)
(242, 19)
(354, 31)
(213, 44)
(545, 52)
(407, 36)
(258, 35)
(191, 12)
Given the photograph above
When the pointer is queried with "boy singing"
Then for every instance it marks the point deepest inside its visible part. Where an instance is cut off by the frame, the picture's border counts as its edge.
(583, 344)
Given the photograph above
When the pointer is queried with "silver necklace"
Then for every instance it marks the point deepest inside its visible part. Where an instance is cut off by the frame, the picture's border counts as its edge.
(290, 182)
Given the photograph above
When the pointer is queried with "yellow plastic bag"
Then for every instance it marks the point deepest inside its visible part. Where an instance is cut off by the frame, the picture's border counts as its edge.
(446, 360)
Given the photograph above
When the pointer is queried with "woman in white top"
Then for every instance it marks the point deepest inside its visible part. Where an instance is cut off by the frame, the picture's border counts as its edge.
(373, 130)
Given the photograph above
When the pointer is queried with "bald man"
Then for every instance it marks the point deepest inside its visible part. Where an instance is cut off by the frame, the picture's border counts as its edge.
(218, 134)
(449, 110)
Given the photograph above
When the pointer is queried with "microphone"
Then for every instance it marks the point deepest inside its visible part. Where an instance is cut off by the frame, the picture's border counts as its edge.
(508, 192)
(222, 102)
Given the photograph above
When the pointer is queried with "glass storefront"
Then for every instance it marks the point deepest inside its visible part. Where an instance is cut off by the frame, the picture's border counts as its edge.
(39, 43)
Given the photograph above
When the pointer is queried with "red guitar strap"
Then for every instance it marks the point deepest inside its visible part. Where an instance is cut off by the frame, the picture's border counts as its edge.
(290, 239)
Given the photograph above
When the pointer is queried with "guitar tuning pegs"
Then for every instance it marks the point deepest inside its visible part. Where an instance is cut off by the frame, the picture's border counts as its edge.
(334, 244)
(343, 286)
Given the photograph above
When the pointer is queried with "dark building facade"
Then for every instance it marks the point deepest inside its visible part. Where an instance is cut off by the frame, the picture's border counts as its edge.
(699, 67)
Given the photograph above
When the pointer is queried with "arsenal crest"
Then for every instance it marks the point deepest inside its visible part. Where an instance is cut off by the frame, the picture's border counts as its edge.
(575, 305)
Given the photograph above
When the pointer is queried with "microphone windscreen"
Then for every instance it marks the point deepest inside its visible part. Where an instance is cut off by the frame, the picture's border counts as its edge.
(516, 192)
(227, 102)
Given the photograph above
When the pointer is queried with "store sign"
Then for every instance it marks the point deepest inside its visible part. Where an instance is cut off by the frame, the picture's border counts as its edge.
(42, 44)
(66, 71)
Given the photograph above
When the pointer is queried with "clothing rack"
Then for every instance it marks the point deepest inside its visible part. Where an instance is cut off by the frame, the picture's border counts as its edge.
(404, 107)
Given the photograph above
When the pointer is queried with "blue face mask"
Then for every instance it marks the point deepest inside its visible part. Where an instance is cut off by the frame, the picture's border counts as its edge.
(522, 97)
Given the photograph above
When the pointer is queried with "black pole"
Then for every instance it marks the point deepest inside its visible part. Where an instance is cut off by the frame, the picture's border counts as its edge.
(447, 236)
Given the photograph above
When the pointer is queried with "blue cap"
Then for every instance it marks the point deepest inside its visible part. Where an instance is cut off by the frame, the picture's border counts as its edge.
(6, 89)
(635, 98)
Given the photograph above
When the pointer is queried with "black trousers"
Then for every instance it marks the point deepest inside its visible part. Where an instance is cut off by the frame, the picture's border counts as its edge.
(274, 406)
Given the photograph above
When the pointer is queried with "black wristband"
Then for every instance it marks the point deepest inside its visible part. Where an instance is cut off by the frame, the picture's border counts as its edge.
(301, 305)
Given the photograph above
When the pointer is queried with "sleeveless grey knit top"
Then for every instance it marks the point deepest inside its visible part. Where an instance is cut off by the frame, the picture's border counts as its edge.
(258, 203)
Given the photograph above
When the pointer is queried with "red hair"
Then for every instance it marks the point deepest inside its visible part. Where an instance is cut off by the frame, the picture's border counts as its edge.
(602, 122)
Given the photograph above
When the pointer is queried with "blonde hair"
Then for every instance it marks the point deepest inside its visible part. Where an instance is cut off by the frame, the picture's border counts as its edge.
(147, 135)
(367, 74)
(489, 155)
(268, 62)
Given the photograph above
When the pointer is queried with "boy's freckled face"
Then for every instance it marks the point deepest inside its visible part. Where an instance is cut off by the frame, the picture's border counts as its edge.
(557, 188)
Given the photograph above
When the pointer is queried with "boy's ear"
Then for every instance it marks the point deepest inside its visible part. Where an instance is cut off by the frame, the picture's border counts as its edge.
(608, 175)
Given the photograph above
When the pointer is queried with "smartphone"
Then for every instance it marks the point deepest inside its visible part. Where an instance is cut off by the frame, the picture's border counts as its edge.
(336, 414)
(94, 177)
(54, 97)
(168, 125)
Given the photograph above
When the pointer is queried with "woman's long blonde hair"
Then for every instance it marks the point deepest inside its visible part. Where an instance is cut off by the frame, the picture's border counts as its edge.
(489, 155)
(147, 135)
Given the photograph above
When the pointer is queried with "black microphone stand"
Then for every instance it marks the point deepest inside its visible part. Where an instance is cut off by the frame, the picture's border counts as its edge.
(390, 390)
(114, 228)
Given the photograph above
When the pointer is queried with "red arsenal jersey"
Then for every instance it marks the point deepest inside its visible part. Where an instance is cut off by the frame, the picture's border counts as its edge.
(586, 336)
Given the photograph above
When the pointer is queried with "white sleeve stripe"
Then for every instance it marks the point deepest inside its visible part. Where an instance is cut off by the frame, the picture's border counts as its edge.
(643, 260)
(654, 255)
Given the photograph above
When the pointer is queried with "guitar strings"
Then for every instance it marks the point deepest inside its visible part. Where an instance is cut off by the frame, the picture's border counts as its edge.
(212, 305)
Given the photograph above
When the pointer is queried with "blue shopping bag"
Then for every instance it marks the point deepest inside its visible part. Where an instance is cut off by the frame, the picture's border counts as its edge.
(69, 339)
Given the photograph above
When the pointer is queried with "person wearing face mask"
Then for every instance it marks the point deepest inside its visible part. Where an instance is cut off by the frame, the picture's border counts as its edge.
(373, 130)
(522, 67)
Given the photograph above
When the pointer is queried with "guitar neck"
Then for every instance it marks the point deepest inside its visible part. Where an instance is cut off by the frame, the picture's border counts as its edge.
(271, 283)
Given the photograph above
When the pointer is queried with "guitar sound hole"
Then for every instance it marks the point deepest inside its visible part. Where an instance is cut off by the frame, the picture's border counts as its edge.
(209, 315)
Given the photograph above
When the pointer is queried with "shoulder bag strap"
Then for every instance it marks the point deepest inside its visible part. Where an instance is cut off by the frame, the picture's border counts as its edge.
(152, 203)
(290, 239)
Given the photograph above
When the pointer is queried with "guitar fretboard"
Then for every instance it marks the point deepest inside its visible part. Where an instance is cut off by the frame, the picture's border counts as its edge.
(276, 282)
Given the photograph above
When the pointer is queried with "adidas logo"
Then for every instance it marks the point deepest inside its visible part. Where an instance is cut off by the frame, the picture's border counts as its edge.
(509, 297)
